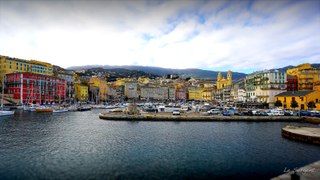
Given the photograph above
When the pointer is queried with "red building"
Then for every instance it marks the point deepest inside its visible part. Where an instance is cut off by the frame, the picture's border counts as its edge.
(181, 94)
(35, 88)
(292, 83)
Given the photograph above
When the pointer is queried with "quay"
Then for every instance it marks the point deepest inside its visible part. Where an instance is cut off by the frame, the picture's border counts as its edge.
(305, 134)
(311, 171)
(196, 117)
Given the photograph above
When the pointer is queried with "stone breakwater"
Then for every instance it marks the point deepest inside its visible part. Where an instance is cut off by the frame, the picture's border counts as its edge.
(305, 134)
(196, 117)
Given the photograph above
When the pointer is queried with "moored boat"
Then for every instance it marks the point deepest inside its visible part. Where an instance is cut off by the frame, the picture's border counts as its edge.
(84, 108)
(44, 110)
(6, 113)
(59, 110)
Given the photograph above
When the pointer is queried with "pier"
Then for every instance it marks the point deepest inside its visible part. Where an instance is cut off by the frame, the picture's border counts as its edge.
(196, 117)
(305, 134)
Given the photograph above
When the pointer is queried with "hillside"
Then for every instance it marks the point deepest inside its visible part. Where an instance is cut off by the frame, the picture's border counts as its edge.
(196, 73)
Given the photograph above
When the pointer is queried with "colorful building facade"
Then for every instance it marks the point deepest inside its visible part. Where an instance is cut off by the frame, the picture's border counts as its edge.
(301, 97)
(307, 76)
(12, 65)
(224, 82)
(101, 85)
(82, 93)
(262, 86)
(35, 88)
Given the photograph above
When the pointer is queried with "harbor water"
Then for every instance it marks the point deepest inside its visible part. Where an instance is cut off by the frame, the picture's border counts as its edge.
(79, 145)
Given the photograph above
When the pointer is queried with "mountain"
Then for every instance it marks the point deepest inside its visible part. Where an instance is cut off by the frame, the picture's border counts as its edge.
(196, 73)
(113, 74)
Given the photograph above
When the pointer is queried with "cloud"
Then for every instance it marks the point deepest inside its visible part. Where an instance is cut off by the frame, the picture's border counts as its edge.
(241, 35)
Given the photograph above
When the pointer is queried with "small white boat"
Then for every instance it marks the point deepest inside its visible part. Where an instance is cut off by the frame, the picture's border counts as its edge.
(59, 110)
(6, 113)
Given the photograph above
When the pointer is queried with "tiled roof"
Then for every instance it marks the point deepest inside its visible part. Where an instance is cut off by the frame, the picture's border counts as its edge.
(295, 93)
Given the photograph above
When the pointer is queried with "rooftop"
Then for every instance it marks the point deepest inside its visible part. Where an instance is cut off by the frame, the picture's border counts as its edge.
(295, 93)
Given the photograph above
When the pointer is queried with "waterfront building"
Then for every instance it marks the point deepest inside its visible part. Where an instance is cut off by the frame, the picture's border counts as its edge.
(68, 76)
(132, 90)
(154, 92)
(12, 65)
(301, 97)
(223, 90)
(292, 83)
(171, 93)
(181, 94)
(35, 88)
(82, 93)
(222, 95)
(207, 94)
(224, 82)
(262, 86)
(306, 75)
(115, 93)
(195, 93)
(238, 92)
(98, 89)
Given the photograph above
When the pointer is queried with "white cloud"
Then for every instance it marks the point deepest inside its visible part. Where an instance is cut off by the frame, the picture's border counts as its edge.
(167, 34)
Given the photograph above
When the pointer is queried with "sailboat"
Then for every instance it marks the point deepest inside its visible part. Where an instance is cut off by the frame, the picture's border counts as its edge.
(2, 111)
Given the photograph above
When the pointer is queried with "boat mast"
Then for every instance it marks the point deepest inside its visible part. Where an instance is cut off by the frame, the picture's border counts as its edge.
(2, 95)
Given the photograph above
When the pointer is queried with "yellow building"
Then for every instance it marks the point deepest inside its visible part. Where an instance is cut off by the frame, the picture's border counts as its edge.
(12, 65)
(81, 92)
(207, 94)
(301, 97)
(101, 85)
(307, 76)
(195, 93)
(224, 82)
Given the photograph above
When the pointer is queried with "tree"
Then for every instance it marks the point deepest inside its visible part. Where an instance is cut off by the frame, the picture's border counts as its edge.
(278, 103)
(294, 104)
(311, 104)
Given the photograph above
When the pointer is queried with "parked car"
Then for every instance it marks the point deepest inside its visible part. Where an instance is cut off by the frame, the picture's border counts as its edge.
(263, 113)
(175, 112)
(226, 113)
(287, 113)
(238, 113)
(214, 111)
(294, 113)
(270, 113)
(305, 113)
(247, 113)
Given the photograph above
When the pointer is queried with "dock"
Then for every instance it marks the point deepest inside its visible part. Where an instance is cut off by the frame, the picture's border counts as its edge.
(305, 134)
(196, 117)
(311, 171)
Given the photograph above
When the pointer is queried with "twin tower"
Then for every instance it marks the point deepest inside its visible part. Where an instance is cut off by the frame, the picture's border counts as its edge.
(224, 82)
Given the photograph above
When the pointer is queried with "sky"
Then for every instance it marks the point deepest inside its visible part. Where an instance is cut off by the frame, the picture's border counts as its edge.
(240, 35)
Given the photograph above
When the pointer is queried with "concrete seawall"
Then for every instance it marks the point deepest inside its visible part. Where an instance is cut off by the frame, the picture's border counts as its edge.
(308, 172)
(193, 117)
(305, 134)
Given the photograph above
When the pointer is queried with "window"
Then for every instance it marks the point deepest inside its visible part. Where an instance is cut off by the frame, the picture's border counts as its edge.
(285, 100)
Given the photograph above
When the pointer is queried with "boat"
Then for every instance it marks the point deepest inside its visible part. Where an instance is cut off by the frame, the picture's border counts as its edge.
(2, 111)
(31, 107)
(44, 110)
(6, 113)
(59, 110)
(84, 108)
